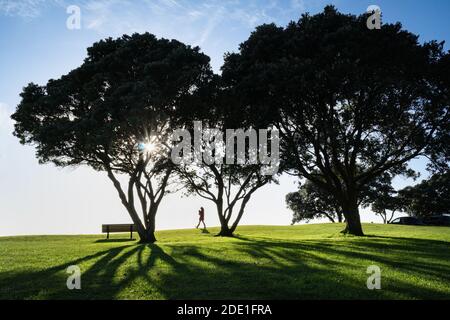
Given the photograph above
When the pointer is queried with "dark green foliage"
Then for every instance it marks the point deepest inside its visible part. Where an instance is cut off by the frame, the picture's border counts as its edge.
(105, 113)
(430, 197)
(310, 202)
(351, 103)
(123, 90)
(387, 203)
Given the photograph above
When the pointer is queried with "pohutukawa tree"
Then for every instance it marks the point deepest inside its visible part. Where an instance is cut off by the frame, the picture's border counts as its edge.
(228, 183)
(311, 202)
(114, 114)
(350, 103)
(229, 187)
(223, 156)
(429, 197)
(387, 204)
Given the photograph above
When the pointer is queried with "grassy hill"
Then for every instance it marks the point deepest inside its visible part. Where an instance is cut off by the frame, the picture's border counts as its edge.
(262, 262)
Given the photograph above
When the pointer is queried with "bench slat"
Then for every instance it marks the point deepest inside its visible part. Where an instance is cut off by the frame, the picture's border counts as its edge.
(117, 228)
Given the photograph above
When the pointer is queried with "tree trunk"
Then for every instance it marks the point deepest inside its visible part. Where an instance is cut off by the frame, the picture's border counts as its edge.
(241, 211)
(224, 229)
(147, 237)
(339, 215)
(338, 211)
(329, 217)
(225, 232)
(351, 214)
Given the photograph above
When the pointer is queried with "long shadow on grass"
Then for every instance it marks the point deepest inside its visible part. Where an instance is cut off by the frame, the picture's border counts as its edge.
(310, 269)
(246, 268)
(399, 258)
(104, 275)
(50, 282)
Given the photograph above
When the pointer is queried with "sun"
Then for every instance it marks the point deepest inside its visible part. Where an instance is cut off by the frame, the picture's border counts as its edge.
(147, 147)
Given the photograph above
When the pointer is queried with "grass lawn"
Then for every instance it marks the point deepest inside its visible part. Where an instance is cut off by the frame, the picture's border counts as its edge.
(262, 262)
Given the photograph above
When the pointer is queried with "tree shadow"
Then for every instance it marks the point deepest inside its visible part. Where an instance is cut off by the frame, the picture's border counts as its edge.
(263, 269)
(104, 275)
(50, 282)
(417, 258)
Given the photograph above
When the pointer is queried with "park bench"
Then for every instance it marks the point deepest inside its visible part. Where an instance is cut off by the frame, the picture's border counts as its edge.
(115, 228)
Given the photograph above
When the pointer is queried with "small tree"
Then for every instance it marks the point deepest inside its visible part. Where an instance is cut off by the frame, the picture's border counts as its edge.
(430, 197)
(113, 113)
(387, 203)
(225, 170)
(230, 172)
(229, 187)
(310, 202)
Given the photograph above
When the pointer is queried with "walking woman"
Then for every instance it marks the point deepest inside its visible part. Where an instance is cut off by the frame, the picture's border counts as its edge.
(201, 217)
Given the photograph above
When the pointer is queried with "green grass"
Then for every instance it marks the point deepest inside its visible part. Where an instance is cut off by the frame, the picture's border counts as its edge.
(299, 262)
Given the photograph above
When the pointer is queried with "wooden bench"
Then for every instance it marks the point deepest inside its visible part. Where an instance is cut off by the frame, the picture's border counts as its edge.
(115, 228)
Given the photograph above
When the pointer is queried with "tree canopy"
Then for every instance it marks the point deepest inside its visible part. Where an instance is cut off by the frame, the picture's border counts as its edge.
(387, 203)
(430, 197)
(310, 202)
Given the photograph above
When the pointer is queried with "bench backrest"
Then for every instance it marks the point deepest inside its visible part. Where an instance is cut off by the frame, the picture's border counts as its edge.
(118, 227)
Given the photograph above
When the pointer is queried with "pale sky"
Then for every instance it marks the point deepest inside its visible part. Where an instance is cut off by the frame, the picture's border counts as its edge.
(35, 46)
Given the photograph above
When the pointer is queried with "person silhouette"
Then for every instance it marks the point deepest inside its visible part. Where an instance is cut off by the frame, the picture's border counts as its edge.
(201, 218)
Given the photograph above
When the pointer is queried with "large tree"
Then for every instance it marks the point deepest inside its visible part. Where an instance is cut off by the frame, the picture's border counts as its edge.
(350, 103)
(114, 113)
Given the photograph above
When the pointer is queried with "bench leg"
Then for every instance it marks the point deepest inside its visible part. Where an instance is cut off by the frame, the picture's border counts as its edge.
(131, 233)
(107, 235)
